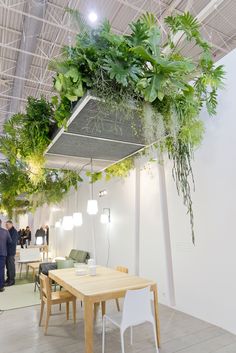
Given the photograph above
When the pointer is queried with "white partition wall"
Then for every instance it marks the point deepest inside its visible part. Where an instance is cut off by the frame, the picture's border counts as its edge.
(205, 274)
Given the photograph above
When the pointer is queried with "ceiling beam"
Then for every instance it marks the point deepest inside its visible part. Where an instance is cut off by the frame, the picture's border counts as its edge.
(17, 32)
(12, 97)
(25, 79)
(35, 17)
(171, 7)
(203, 14)
(7, 46)
(31, 30)
(10, 60)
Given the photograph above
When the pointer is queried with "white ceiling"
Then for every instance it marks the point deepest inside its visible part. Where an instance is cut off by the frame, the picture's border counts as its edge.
(33, 32)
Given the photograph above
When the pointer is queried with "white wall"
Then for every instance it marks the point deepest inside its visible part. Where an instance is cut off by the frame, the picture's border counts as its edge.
(204, 275)
(121, 232)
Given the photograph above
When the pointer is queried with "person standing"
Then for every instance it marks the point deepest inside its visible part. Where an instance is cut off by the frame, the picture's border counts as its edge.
(28, 235)
(39, 236)
(11, 253)
(5, 240)
(47, 234)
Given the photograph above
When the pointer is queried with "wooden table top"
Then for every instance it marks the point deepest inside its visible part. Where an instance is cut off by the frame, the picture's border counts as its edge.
(107, 282)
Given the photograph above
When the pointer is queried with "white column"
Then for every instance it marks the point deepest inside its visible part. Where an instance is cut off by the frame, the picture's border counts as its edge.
(137, 217)
(166, 233)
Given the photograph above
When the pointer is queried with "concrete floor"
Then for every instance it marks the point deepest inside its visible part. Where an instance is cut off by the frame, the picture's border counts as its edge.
(19, 333)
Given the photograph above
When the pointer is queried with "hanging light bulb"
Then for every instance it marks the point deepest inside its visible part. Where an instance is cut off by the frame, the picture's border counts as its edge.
(104, 219)
(58, 224)
(92, 205)
(77, 219)
(67, 223)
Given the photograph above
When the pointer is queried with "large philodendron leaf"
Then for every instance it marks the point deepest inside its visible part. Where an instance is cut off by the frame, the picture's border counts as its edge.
(144, 54)
(58, 83)
(121, 73)
(167, 66)
(73, 73)
(139, 33)
(153, 90)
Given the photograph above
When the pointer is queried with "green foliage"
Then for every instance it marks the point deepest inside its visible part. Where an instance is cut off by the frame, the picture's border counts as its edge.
(25, 183)
(168, 89)
(120, 170)
(140, 68)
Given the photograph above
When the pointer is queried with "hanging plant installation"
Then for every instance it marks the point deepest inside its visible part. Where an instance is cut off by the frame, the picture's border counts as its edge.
(140, 70)
(168, 88)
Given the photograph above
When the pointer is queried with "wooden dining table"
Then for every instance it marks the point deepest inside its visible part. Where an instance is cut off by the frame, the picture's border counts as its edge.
(108, 284)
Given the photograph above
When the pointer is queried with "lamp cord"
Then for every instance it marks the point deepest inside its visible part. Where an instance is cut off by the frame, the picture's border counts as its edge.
(108, 245)
(91, 180)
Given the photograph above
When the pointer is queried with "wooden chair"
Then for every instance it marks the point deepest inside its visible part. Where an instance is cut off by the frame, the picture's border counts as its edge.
(50, 298)
(124, 270)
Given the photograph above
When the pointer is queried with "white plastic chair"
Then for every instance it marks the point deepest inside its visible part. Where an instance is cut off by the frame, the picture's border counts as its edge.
(27, 256)
(137, 310)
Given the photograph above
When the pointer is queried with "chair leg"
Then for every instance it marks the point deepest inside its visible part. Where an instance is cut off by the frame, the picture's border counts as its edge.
(67, 310)
(118, 304)
(41, 313)
(122, 341)
(103, 333)
(60, 307)
(155, 337)
(131, 335)
(74, 310)
(47, 318)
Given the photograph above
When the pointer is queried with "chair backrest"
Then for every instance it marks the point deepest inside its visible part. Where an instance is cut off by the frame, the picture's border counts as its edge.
(64, 264)
(44, 267)
(137, 308)
(30, 254)
(45, 287)
(122, 269)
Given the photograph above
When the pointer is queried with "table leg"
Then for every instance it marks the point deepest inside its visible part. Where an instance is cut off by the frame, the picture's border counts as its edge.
(27, 270)
(103, 308)
(20, 269)
(88, 326)
(156, 315)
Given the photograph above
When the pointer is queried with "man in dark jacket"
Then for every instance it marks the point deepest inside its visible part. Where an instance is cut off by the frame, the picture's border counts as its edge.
(11, 252)
(39, 236)
(5, 240)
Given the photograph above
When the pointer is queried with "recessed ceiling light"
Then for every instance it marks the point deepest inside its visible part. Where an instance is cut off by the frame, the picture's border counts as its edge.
(93, 17)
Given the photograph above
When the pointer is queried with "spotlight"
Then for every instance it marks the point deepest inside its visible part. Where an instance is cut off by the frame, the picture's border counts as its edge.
(93, 17)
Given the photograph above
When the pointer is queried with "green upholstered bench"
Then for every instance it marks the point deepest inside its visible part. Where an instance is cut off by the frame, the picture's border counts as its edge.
(78, 256)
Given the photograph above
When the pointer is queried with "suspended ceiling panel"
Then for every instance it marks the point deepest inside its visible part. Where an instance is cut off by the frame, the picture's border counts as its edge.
(96, 131)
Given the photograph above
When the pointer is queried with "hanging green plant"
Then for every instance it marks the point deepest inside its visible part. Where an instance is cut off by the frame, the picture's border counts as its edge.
(25, 183)
(168, 88)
